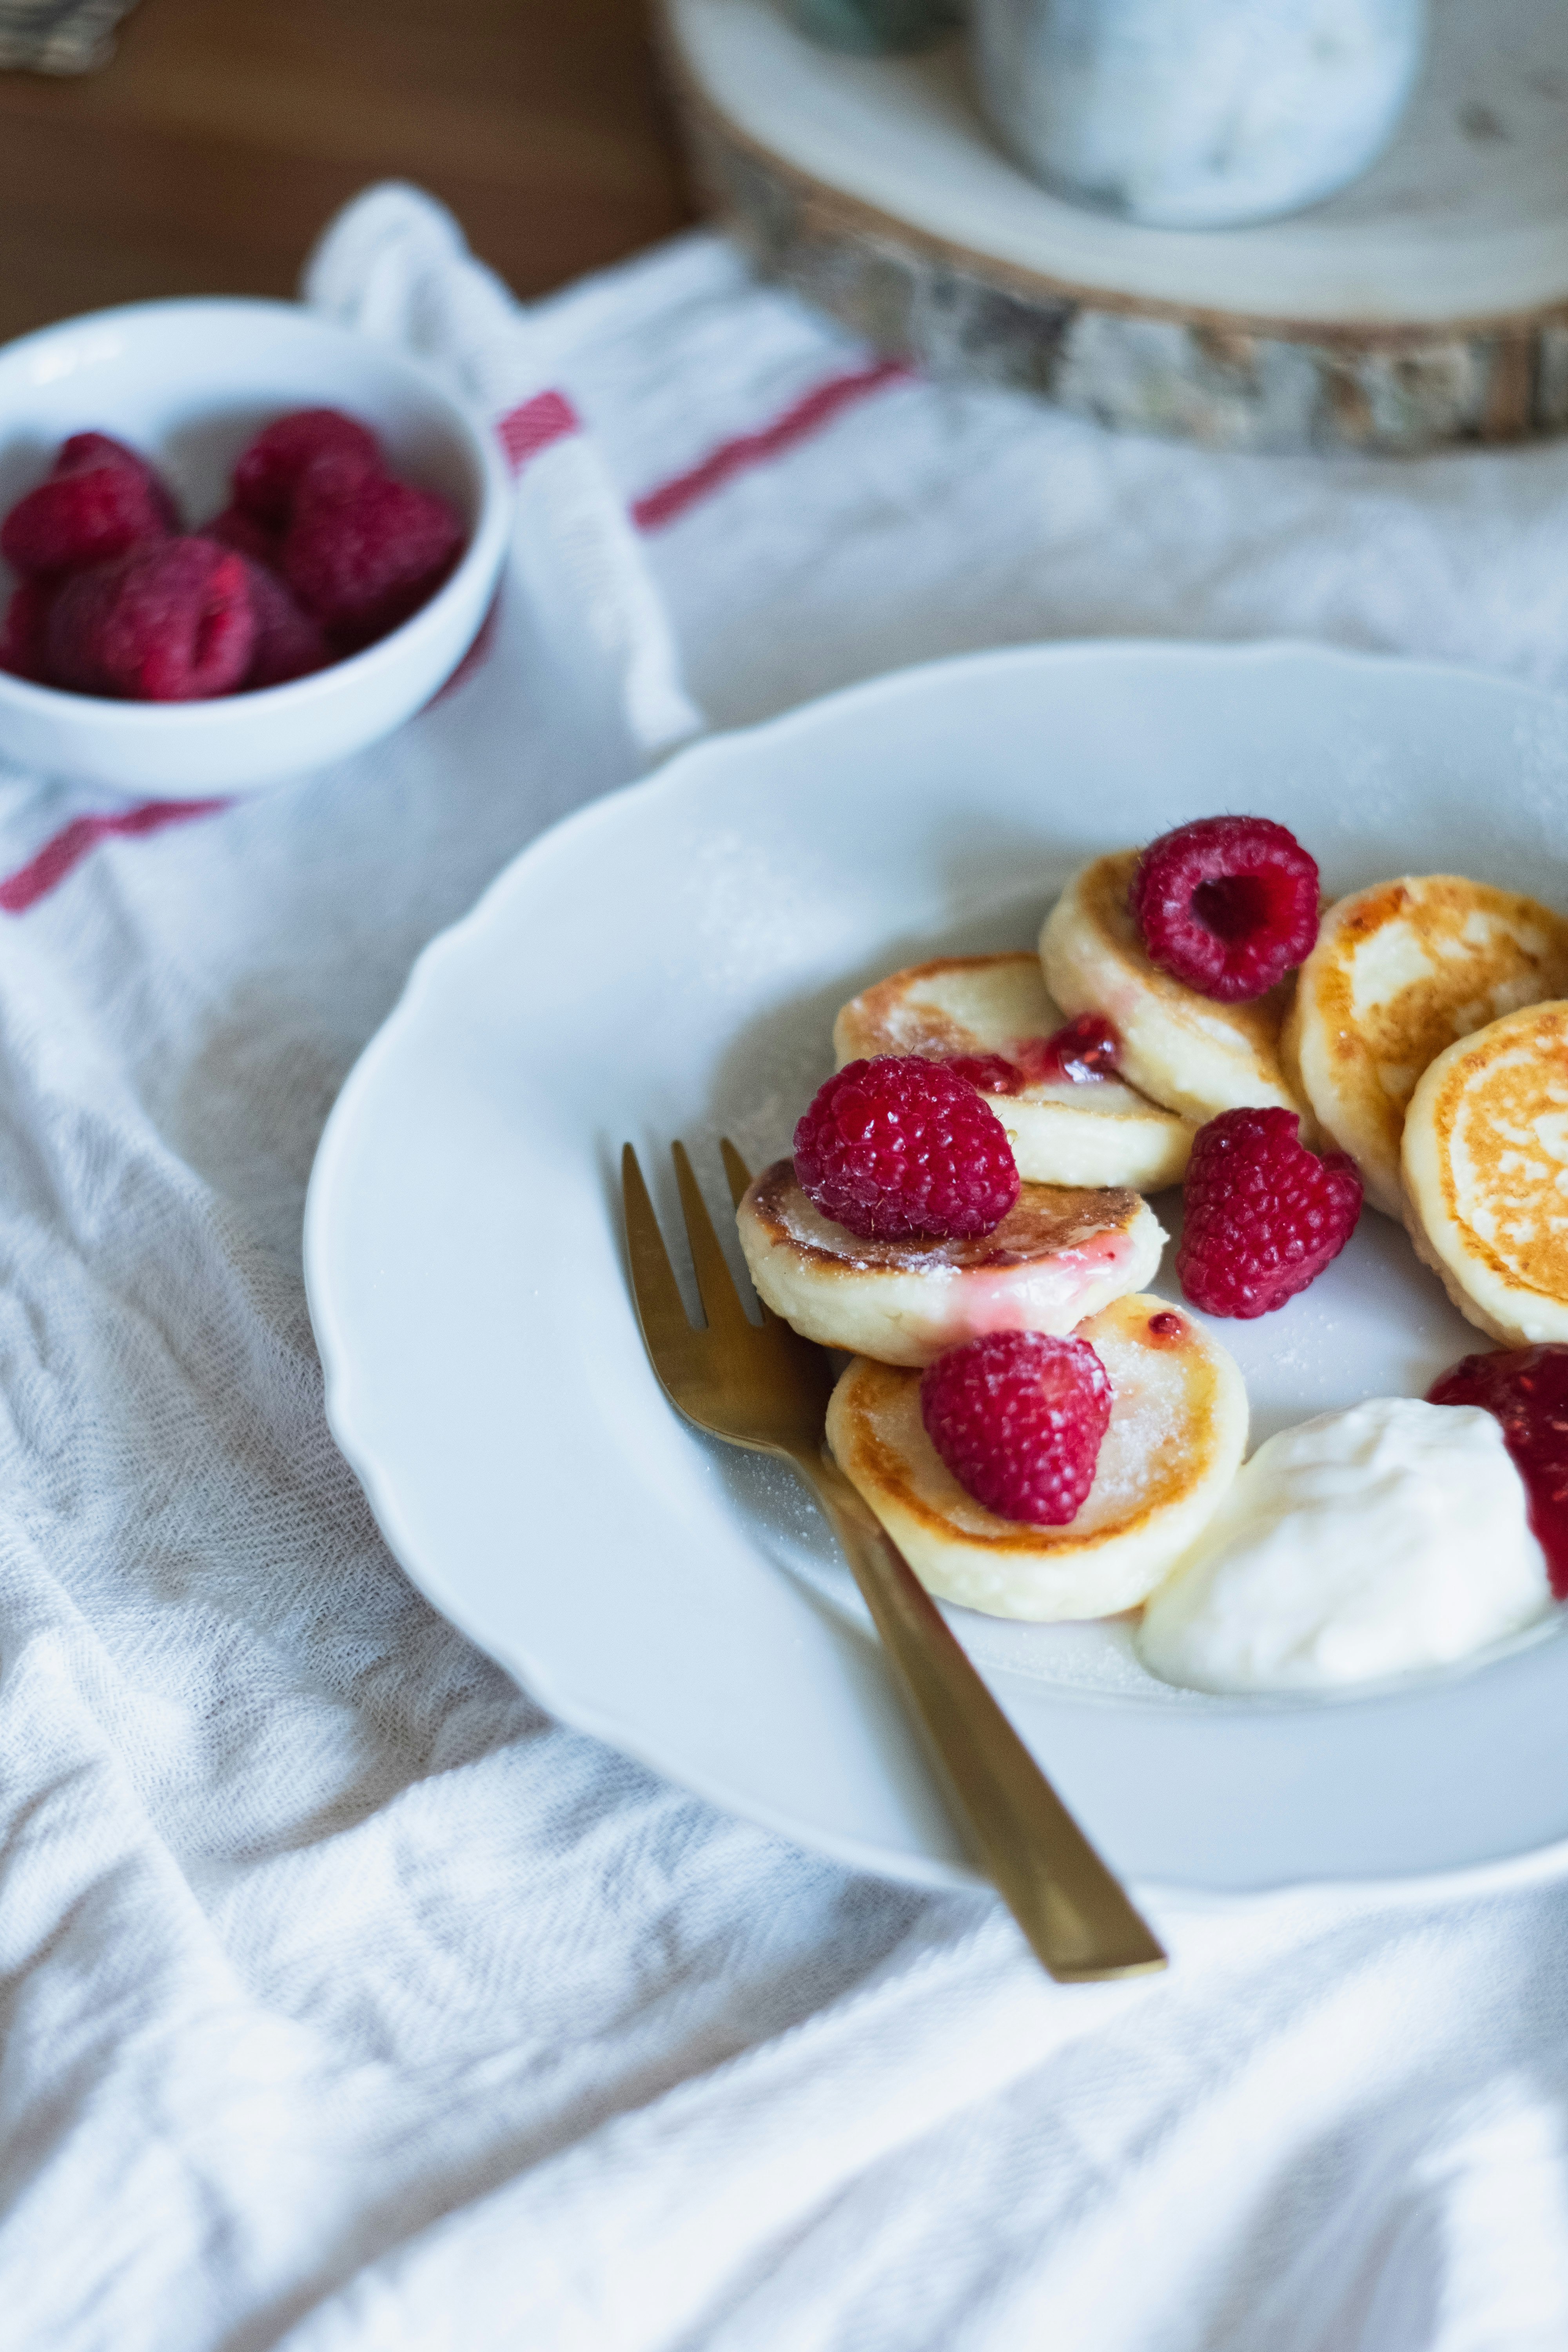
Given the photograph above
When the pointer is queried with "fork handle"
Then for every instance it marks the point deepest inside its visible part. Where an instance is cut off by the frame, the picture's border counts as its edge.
(1075, 1915)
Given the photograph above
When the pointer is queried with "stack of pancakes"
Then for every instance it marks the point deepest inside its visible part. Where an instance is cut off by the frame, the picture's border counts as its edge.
(1428, 1037)
(1423, 1036)
(1073, 1255)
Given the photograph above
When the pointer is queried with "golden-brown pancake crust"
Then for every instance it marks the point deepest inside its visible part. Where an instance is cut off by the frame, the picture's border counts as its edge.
(1500, 1119)
(892, 1017)
(1045, 1220)
(1399, 971)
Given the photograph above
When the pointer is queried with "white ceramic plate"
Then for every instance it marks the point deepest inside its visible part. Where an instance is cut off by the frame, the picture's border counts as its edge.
(669, 962)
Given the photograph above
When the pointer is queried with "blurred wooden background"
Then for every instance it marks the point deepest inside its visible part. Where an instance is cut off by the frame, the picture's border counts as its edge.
(207, 153)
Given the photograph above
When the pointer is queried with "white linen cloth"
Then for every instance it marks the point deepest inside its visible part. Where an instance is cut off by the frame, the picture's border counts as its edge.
(349, 2001)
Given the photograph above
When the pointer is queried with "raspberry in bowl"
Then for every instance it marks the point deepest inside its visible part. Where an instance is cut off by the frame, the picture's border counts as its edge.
(191, 387)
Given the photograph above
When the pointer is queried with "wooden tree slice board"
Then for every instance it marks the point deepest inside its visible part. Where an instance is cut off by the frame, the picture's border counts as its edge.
(1428, 304)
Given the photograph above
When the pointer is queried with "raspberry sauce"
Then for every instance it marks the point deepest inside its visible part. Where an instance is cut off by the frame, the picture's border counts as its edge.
(1526, 1388)
(1084, 1050)
(992, 1073)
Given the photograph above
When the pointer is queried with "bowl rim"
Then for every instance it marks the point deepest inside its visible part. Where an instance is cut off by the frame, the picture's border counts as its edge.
(485, 550)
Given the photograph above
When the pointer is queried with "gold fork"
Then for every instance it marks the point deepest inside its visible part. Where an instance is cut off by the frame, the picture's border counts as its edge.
(764, 1387)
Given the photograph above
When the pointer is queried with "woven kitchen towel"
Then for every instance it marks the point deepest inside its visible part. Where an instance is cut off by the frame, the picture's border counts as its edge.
(58, 36)
(395, 266)
(348, 2002)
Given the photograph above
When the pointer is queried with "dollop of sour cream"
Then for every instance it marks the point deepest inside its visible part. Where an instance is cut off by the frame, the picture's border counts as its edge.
(1368, 1542)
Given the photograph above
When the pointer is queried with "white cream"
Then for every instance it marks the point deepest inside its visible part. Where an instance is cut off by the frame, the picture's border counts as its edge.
(1368, 1542)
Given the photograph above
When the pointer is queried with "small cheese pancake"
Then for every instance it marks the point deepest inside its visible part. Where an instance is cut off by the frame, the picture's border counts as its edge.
(1181, 1049)
(1097, 1132)
(1057, 1257)
(1177, 1434)
(1486, 1174)
(1400, 970)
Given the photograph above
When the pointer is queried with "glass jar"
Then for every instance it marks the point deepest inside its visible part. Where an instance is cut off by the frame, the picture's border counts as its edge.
(1196, 113)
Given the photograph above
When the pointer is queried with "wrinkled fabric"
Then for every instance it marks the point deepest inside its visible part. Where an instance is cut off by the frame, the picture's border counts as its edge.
(349, 2001)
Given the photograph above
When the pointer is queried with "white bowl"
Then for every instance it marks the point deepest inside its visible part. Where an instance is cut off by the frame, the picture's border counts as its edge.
(188, 383)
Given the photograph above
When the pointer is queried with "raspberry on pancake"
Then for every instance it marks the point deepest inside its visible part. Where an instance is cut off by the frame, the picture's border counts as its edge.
(1196, 1057)
(1018, 1416)
(904, 1146)
(1229, 905)
(1172, 1444)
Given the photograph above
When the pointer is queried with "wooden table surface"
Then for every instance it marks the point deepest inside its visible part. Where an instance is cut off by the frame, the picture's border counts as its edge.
(204, 158)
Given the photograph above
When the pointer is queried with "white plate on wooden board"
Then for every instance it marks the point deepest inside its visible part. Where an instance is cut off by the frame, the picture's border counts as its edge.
(667, 962)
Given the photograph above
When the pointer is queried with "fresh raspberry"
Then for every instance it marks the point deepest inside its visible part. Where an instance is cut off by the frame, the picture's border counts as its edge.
(234, 528)
(901, 1147)
(1526, 1391)
(288, 643)
(22, 632)
(83, 449)
(166, 623)
(362, 556)
(1263, 1216)
(1018, 1420)
(269, 473)
(1085, 1050)
(99, 499)
(1229, 905)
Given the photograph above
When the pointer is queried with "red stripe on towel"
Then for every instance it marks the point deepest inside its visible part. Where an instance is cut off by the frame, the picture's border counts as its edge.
(798, 423)
(547, 418)
(58, 857)
(534, 425)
